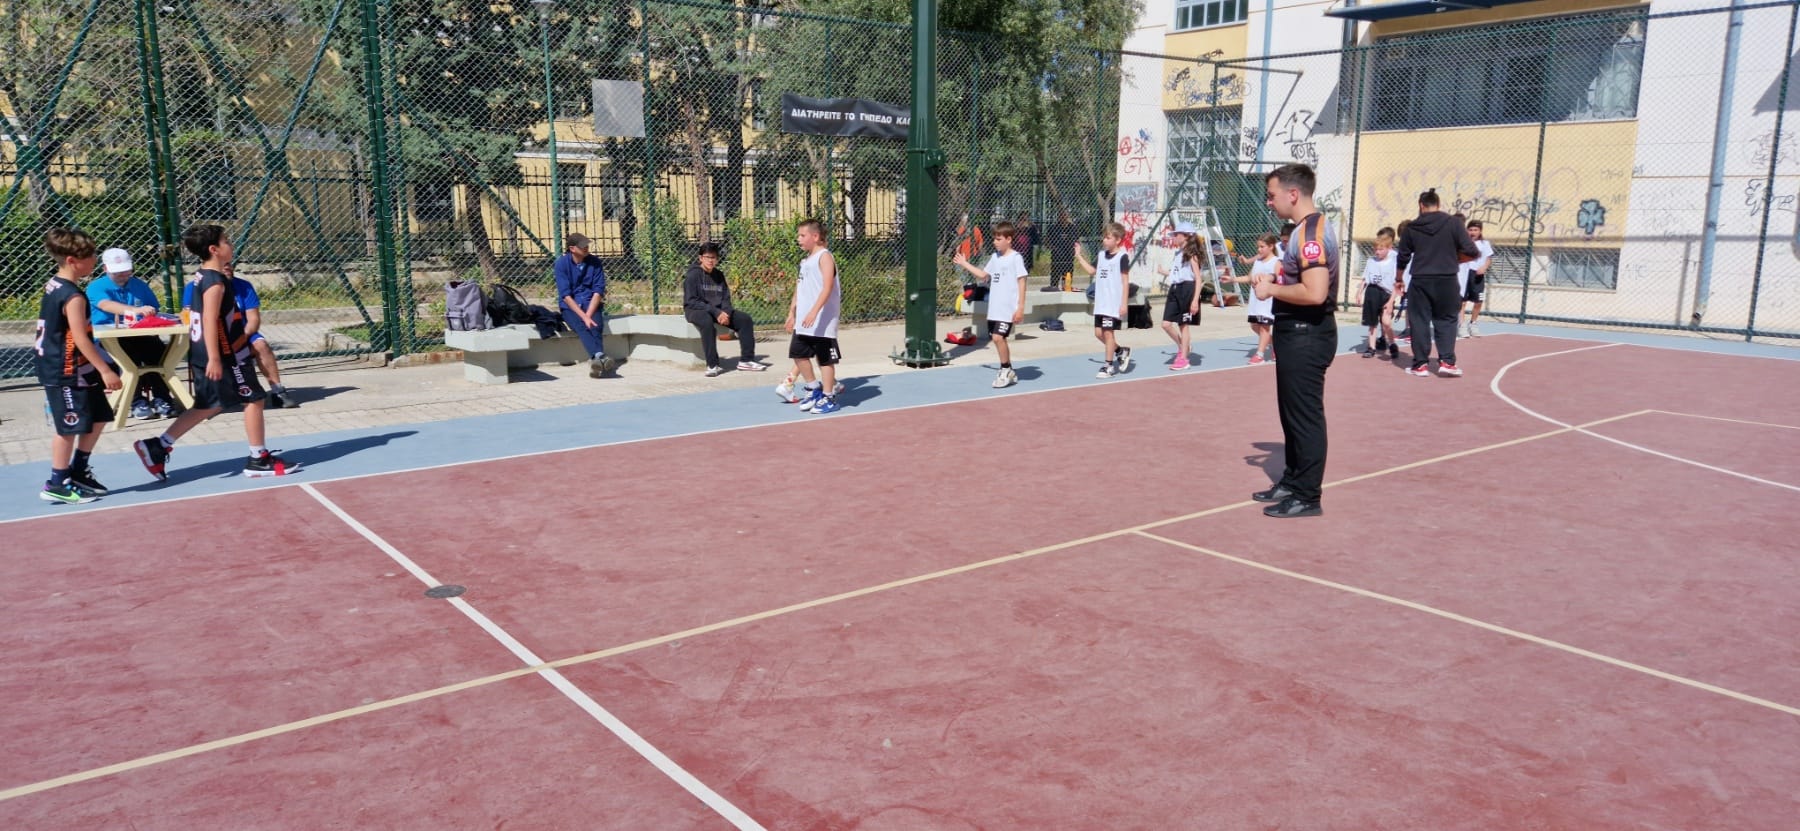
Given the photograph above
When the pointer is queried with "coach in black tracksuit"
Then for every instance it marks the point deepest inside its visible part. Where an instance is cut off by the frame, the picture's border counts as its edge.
(1432, 244)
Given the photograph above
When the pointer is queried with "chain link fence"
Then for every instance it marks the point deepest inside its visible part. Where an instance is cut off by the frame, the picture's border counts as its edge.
(363, 153)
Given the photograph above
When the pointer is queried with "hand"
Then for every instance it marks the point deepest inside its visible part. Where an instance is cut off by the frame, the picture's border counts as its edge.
(789, 325)
(110, 379)
(1263, 288)
(724, 319)
(214, 372)
(145, 311)
(1194, 309)
(959, 259)
(810, 320)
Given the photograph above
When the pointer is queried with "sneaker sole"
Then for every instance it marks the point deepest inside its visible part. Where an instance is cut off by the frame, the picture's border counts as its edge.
(150, 466)
(58, 500)
(284, 470)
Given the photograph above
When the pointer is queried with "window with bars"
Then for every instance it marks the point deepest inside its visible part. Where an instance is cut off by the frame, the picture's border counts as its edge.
(434, 201)
(1582, 68)
(572, 179)
(1585, 268)
(1509, 265)
(1198, 14)
(768, 198)
(615, 199)
(1200, 141)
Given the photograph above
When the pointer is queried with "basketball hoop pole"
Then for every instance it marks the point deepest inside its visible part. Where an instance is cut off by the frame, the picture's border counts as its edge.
(923, 159)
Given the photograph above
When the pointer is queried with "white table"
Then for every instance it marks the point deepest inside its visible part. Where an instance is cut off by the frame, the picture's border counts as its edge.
(131, 374)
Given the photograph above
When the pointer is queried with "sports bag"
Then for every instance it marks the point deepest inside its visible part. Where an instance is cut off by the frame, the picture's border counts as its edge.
(465, 309)
(506, 306)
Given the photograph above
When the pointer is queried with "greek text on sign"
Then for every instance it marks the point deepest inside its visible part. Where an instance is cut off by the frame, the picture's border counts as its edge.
(843, 117)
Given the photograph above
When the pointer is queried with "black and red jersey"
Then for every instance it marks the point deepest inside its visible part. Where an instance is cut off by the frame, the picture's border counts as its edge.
(59, 363)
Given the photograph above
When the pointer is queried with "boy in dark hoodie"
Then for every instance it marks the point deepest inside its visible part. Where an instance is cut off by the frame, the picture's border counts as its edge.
(1433, 246)
(707, 302)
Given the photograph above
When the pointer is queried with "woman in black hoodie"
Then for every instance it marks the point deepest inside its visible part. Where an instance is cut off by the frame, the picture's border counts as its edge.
(707, 301)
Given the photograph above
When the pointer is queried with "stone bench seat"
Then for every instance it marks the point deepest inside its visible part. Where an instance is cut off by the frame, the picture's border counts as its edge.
(489, 353)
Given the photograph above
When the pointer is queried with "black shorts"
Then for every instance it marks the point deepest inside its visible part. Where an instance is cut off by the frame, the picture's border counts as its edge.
(1263, 320)
(813, 348)
(1000, 328)
(75, 410)
(1375, 298)
(237, 387)
(1175, 306)
(1476, 290)
(1110, 324)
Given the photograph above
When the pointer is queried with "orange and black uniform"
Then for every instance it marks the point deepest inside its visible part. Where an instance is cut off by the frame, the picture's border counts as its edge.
(238, 385)
(76, 401)
(1305, 339)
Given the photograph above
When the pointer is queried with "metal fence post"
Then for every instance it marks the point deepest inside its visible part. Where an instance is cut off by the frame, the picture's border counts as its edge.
(923, 158)
(163, 201)
(1362, 87)
(1768, 200)
(373, 81)
(649, 157)
(556, 207)
(1537, 183)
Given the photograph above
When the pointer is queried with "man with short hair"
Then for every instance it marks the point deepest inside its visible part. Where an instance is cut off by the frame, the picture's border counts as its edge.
(1305, 333)
(1434, 245)
(581, 295)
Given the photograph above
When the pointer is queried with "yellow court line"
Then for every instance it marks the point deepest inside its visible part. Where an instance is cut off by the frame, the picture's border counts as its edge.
(1731, 420)
(1481, 624)
(588, 657)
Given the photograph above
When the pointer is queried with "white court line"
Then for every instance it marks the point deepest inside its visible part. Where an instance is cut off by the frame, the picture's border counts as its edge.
(1013, 392)
(686, 780)
(1494, 386)
(1482, 624)
(1729, 420)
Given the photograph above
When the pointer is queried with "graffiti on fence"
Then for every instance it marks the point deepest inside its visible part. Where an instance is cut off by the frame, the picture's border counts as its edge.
(1137, 153)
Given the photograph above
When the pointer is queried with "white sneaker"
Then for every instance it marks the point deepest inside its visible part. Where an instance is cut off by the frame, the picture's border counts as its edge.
(1462, 331)
(785, 389)
(1106, 372)
(1474, 331)
(1124, 358)
(1005, 379)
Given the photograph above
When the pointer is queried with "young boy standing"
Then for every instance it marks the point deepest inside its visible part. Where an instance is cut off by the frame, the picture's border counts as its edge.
(1475, 279)
(1004, 275)
(225, 378)
(68, 364)
(1110, 275)
(817, 300)
(1377, 289)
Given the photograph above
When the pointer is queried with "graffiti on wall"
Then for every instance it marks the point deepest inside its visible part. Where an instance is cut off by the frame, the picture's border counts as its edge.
(1590, 216)
(1756, 190)
(1295, 135)
(1137, 153)
(1569, 204)
(1190, 88)
(1135, 196)
(1761, 147)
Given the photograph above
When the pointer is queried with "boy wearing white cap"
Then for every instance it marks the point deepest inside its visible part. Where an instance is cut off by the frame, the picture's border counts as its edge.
(123, 299)
(1182, 307)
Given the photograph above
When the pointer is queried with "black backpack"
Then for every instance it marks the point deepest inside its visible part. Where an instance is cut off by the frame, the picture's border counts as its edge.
(506, 306)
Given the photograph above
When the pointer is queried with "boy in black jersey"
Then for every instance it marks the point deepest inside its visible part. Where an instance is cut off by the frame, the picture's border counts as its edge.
(222, 379)
(68, 365)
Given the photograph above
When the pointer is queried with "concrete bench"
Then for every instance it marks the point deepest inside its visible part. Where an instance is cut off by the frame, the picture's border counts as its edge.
(489, 353)
(1071, 307)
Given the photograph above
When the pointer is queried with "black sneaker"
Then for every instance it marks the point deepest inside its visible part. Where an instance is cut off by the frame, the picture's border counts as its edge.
(268, 464)
(84, 481)
(1381, 343)
(601, 366)
(1393, 352)
(1293, 507)
(154, 456)
(277, 398)
(1273, 494)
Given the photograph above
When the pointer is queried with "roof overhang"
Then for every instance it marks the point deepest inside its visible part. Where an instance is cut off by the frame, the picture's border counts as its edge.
(1412, 8)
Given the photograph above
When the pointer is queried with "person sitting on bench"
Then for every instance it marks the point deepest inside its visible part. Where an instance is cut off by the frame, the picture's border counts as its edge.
(707, 302)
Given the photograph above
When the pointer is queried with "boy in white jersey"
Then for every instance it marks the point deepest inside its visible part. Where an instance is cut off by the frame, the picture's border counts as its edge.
(1474, 279)
(813, 318)
(1377, 290)
(1110, 275)
(1181, 309)
(1005, 278)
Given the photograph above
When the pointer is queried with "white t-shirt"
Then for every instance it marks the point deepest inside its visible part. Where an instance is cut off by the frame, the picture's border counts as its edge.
(1181, 272)
(812, 283)
(1381, 272)
(1263, 307)
(1004, 273)
(1110, 271)
(1463, 270)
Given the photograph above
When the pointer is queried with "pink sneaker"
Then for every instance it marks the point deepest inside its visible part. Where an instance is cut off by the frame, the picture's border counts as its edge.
(1256, 359)
(1179, 364)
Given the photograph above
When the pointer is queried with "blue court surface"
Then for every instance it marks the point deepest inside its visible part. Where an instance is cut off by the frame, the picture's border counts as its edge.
(199, 470)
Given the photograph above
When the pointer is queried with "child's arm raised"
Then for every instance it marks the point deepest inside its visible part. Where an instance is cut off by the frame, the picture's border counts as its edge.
(963, 263)
(76, 311)
(1081, 259)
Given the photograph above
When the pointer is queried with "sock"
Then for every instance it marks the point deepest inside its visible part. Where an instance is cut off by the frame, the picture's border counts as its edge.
(256, 451)
(278, 389)
(598, 355)
(80, 462)
(59, 476)
(812, 385)
(1006, 364)
(168, 441)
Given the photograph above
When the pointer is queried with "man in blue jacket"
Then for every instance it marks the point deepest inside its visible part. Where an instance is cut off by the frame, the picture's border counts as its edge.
(581, 293)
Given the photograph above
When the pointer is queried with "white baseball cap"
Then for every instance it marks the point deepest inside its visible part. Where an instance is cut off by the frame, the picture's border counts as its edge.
(117, 260)
(1186, 228)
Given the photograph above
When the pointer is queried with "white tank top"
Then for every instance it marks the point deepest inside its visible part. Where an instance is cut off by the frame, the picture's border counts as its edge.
(812, 283)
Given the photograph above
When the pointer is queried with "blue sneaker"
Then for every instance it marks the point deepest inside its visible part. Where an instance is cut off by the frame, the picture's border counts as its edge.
(826, 406)
(812, 398)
